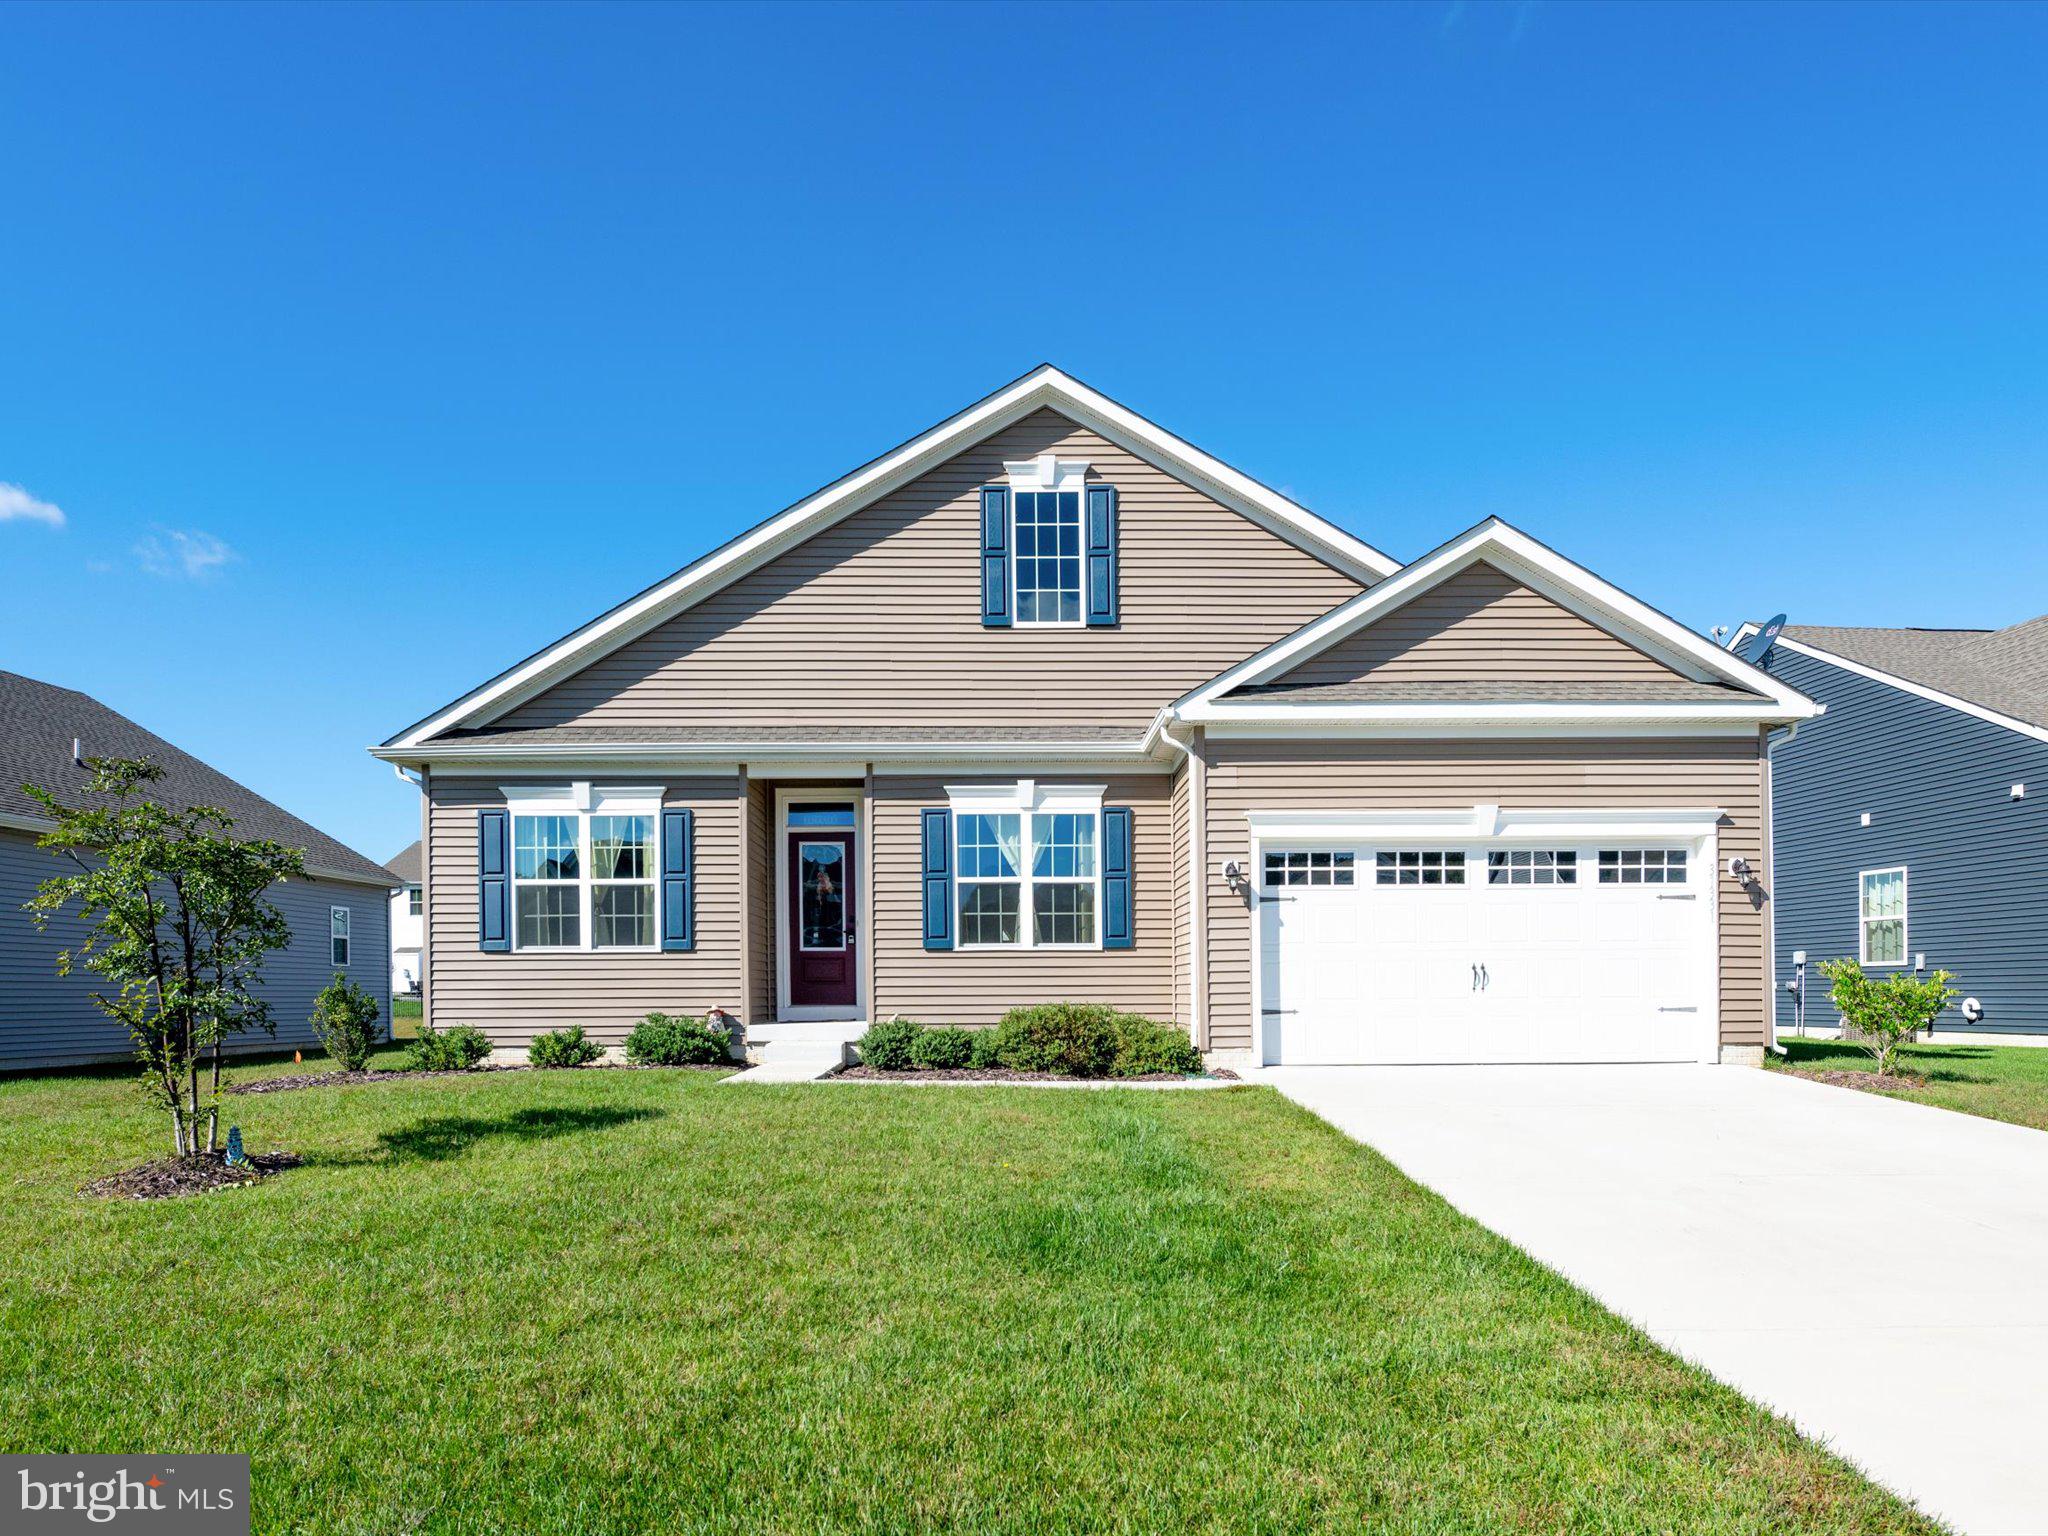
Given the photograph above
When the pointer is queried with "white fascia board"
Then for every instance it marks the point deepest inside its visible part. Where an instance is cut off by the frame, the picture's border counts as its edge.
(1043, 386)
(1558, 578)
(1490, 730)
(1366, 715)
(1487, 823)
(785, 759)
(1907, 685)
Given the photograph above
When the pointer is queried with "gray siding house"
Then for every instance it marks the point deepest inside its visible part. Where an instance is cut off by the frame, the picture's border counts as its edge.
(339, 915)
(1910, 821)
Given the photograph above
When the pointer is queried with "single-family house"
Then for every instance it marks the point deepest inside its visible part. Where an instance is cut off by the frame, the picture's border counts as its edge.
(1049, 703)
(337, 913)
(1911, 820)
(408, 929)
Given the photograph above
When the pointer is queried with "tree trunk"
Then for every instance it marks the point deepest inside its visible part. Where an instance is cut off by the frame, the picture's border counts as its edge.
(213, 1101)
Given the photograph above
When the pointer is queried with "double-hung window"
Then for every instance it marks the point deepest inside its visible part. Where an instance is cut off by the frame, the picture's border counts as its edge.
(1881, 916)
(584, 875)
(1030, 866)
(414, 900)
(337, 937)
(1046, 519)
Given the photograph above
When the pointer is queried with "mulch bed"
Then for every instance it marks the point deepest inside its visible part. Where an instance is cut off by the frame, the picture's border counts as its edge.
(400, 1074)
(1006, 1075)
(170, 1177)
(1869, 1082)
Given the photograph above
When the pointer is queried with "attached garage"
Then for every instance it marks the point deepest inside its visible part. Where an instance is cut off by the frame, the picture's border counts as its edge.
(1485, 936)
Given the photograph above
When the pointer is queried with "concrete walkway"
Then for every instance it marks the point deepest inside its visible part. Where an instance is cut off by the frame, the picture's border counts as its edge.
(1877, 1271)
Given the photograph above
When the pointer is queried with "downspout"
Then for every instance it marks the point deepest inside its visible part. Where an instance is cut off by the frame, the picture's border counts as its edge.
(426, 889)
(1771, 870)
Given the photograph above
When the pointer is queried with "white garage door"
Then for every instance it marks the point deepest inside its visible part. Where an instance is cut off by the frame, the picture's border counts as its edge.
(1479, 952)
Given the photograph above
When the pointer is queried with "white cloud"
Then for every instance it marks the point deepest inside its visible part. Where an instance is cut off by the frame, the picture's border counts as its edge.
(16, 505)
(176, 552)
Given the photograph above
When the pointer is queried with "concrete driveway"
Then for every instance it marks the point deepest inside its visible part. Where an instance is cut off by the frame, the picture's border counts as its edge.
(1876, 1271)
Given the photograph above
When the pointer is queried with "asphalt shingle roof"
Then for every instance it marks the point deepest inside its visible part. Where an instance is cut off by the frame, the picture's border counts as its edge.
(2002, 669)
(38, 722)
(406, 865)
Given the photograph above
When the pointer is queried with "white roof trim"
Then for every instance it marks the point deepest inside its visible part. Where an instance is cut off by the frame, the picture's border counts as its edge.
(1042, 387)
(1490, 823)
(1546, 571)
(1903, 684)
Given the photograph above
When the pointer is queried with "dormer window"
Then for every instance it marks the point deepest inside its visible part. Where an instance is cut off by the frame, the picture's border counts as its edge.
(1048, 547)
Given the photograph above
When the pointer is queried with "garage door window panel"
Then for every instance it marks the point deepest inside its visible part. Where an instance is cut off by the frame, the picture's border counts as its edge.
(1420, 866)
(1532, 866)
(1310, 867)
(1642, 866)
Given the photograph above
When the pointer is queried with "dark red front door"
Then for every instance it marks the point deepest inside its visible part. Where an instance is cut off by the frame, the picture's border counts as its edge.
(821, 912)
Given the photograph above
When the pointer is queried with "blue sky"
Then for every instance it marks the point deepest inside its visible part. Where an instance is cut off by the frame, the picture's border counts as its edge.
(363, 350)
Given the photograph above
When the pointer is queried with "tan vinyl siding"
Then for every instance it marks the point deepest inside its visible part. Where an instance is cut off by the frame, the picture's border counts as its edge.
(976, 986)
(512, 996)
(877, 620)
(1481, 625)
(761, 900)
(1246, 776)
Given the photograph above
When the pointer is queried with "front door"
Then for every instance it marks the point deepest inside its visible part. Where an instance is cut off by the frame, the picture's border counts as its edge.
(821, 925)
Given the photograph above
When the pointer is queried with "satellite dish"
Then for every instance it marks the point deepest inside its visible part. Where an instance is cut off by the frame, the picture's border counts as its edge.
(1758, 645)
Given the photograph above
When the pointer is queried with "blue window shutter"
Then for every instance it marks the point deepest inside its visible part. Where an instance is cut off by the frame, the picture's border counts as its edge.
(995, 557)
(1102, 573)
(1116, 877)
(678, 879)
(938, 879)
(493, 885)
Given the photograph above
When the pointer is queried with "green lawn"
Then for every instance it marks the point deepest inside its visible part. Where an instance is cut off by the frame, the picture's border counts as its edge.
(1999, 1082)
(629, 1302)
(405, 1017)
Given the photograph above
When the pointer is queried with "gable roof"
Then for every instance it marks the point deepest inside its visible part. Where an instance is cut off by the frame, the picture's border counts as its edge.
(39, 722)
(406, 864)
(1043, 387)
(1998, 674)
(1709, 684)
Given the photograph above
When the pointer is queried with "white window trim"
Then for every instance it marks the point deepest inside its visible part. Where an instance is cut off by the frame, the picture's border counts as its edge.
(1863, 923)
(580, 801)
(1023, 799)
(346, 936)
(1047, 473)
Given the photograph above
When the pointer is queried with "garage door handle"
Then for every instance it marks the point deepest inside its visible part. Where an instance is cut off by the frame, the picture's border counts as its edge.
(1678, 1010)
(1269, 1012)
(1475, 978)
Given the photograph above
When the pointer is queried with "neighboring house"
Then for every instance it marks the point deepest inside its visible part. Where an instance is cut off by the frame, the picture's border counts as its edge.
(408, 926)
(1911, 820)
(337, 914)
(1047, 703)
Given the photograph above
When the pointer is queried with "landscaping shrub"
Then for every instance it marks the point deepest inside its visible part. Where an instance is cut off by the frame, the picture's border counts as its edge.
(667, 1040)
(563, 1048)
(886, 1046)
(1884, 1013)
(345, 1020)
(447, 1050)
(942, 1048)
(1078, 1039)
(1144, 1046)
(982, 1050)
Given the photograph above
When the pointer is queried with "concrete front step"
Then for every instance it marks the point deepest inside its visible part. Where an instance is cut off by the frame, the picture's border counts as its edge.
(799, 1052)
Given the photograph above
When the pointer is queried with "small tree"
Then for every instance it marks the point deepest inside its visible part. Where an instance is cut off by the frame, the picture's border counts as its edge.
(176, 923)
(1887, 1012)
(345, 1019)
